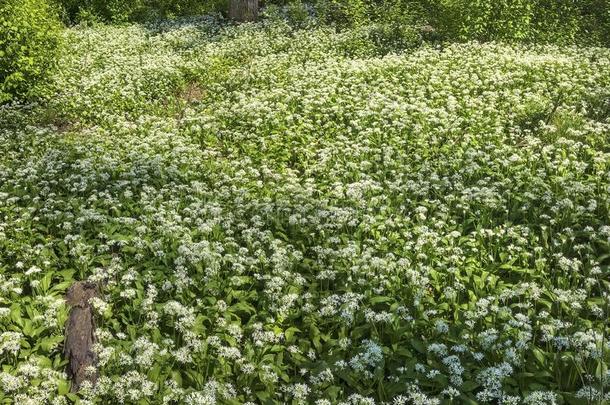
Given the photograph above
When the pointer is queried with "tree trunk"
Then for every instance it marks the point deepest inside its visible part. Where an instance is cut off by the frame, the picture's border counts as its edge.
(243, 10)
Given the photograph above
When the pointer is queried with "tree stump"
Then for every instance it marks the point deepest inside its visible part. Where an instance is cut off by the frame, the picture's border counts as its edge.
(80, 334)
(243, 10)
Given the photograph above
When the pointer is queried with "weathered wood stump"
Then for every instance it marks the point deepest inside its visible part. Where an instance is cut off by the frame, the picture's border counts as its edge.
(80, 334)
(243, 10)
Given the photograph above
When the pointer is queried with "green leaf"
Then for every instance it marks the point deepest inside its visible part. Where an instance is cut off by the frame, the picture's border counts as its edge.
(540, 356)
(468, 386)
(289, 333)
(63, 387)
(16, 314)
(418, 345)
(176, 376)
(45, 282)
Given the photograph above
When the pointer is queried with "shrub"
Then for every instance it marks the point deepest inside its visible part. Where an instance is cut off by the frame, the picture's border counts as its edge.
(342, 12)
(106, 10)
(556, 21)
(486, 19)
(396, 24)
(582, 21)
(297, 13)
(29, 37)
(595, 22)
(136, 10)
(390, 38)
(175, 8)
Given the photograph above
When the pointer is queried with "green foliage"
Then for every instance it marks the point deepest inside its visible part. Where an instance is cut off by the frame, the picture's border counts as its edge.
(399, 11)
(29, 37)
(342, 12)
(596, 22)
(556, 21)
(283, 216)
(522, 20)
(391, 37)
(488, 19)
(136, 10)
(563, 22)
(93, 10)
(395, 23)
(297, 12)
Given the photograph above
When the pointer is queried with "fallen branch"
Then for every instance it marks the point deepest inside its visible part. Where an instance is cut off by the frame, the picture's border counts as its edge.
(80, 334)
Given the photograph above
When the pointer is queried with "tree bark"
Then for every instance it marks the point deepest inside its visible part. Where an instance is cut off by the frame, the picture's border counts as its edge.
(243, 10)
(80, 335)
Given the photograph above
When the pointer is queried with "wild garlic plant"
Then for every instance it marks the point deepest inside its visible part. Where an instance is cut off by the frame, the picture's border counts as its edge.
(289, 216)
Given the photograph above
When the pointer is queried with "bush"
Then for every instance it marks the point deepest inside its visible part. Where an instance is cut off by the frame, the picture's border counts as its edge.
(396, 24)
(105, 10)
(29, 37)
(296, 13)
(486, 19)
(552, 21)
(596, 22)
(136, 10)
(342, 12)
(556, 21)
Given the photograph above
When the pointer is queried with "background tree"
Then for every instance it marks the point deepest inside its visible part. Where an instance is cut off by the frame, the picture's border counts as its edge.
(243, 10)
